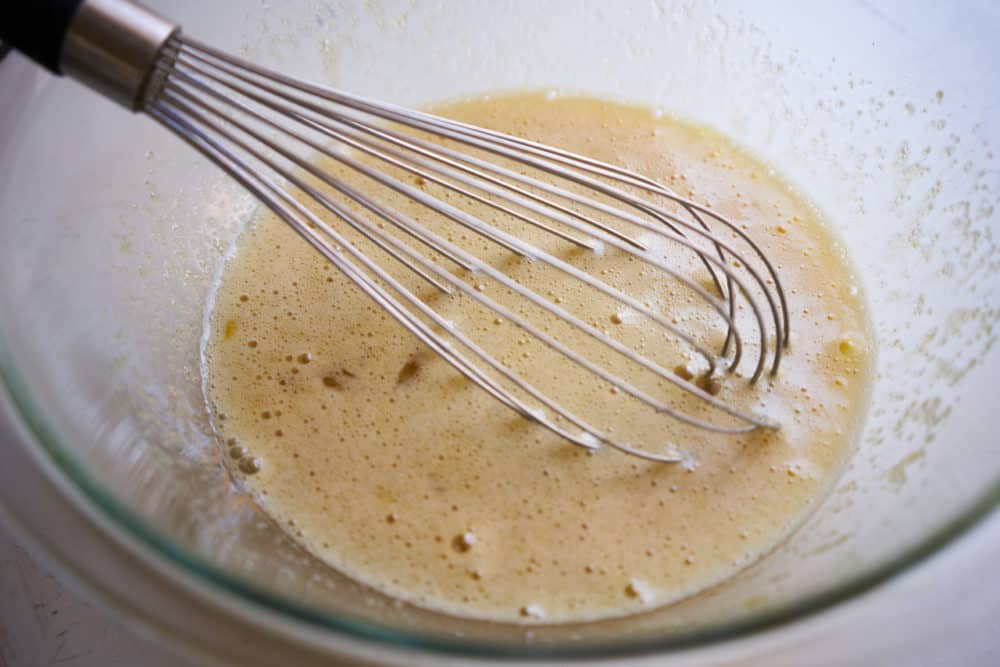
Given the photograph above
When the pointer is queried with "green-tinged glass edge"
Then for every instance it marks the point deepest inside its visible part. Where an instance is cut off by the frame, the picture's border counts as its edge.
(53, 444)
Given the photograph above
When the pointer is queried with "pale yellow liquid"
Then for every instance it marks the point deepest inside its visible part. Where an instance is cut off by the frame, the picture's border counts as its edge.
(384, 462)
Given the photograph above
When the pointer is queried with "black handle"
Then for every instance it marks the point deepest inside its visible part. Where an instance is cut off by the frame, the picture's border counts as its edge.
(37, 28)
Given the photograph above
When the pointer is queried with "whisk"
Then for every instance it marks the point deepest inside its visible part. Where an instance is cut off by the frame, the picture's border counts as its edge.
(265, 130)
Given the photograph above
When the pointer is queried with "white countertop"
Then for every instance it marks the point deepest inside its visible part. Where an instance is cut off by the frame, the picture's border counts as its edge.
(944, 612)
(44, 623)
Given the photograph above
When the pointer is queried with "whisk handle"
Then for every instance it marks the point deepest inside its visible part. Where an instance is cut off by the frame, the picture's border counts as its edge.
(37, 28)
(110, 45)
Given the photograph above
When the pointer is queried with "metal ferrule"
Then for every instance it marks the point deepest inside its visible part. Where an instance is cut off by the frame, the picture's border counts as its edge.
(112, 47)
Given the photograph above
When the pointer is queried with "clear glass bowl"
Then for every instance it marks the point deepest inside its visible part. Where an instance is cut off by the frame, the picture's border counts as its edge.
(111, 233)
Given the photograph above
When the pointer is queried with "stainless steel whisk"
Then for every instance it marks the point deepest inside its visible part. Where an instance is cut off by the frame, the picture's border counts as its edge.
(255, 124)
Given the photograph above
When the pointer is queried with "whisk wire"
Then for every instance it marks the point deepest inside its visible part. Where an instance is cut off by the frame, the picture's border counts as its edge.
(280, 202)
(664, 217)
(189, 103)
(479, 266)
(276, 198)
(431, 202)
(503, 279)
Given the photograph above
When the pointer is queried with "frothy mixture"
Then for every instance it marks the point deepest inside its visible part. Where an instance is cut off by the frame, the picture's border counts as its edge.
(388, 465)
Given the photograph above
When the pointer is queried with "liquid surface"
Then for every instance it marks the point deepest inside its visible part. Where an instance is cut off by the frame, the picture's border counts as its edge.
(387, 464)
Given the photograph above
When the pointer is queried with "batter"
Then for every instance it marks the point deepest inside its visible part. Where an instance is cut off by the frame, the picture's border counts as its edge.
(385, 463)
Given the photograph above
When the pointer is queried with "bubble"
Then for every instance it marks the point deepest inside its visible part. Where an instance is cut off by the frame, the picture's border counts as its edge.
(709, 384)
(847, 346)
(463, 542)
(638, 590)
(250, 465)
(532, 611)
